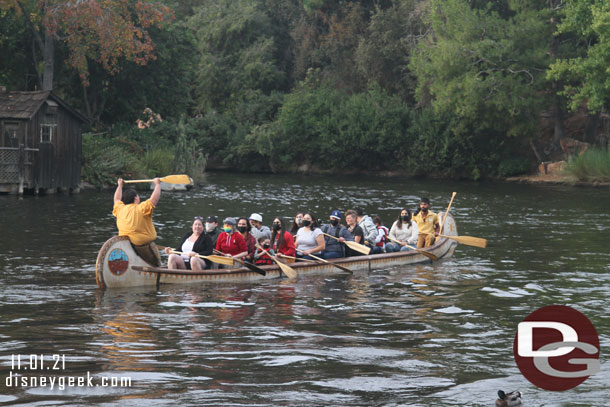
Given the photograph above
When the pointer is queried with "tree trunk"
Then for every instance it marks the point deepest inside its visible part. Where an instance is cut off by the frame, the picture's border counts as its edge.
(591, 129)
(559, 130)
(48, 55)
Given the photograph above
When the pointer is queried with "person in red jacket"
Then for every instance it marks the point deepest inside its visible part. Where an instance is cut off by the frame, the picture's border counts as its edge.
(282, 240)
(230, 243)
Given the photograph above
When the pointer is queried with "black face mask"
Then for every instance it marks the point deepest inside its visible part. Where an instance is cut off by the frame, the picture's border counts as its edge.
(277, 226)
(266, 246)
(305, 222)
(242, 229)
(334, 222)
(405, 218)
(423, 210)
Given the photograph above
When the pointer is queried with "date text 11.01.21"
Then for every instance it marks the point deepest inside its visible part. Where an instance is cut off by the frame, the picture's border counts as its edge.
(38, 362)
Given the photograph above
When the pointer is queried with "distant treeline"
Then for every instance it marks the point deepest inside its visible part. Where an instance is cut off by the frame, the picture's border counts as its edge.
(456, 88)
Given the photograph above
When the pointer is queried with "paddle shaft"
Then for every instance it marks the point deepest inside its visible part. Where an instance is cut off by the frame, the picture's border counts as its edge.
(425, 253)
(289, 271)
(213, 259)
(295, 258)
(440, 232)
(327, 262)
(353, 245)
(243, 263)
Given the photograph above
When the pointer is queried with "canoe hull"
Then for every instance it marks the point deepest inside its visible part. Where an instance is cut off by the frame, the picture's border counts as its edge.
(118, 265)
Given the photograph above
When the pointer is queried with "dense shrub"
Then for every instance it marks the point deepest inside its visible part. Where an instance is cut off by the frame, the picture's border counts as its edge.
(591, 166)
(513, 166)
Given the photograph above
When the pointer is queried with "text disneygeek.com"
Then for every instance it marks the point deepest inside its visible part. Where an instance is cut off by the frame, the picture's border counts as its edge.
(53, 364)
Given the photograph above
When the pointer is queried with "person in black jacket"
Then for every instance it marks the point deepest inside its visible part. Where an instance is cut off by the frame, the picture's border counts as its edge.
(193, 243)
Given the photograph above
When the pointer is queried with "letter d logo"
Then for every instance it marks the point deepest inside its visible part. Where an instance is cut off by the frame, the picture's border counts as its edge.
(556, 348)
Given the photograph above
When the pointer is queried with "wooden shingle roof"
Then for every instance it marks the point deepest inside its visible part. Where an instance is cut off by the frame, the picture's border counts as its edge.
(24, 105)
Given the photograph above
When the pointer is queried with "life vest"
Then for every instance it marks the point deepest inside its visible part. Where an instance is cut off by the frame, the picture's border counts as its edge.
(384, 239)
(263, 260)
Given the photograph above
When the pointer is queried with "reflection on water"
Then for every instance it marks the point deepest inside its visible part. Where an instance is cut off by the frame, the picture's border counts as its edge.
(428, 335)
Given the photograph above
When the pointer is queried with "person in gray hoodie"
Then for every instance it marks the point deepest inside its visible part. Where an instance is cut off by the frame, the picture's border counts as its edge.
(258, 229)
(368, 227)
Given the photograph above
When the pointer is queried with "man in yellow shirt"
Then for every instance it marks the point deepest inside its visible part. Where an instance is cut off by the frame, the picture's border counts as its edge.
(427, 224)
(134, 220)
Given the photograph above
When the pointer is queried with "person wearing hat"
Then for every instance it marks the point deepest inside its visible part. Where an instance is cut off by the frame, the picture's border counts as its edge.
(230, 243)
(333, 247)
(427, 224)
(258, 229)
(211, 229)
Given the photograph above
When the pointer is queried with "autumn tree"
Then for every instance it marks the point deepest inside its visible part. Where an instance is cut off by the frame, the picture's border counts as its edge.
(94, 32)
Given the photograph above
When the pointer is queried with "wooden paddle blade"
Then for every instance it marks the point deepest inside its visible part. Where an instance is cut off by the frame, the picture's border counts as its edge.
(176, 179)
(428, 254)
(469, 240)
(286, 269)
(358, 247)
(227, 261)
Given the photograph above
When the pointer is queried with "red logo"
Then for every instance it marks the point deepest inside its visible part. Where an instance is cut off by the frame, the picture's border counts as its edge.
(556, 348)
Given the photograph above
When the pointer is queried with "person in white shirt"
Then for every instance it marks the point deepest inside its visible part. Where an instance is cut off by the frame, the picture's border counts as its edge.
(405, 231)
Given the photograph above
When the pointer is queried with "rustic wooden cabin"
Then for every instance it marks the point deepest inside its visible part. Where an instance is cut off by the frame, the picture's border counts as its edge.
(40, 143)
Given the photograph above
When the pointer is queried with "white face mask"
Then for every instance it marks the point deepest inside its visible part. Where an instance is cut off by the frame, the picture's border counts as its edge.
(209, 227)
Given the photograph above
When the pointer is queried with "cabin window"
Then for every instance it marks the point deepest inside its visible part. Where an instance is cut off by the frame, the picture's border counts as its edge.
(48, 128)
(11, 135)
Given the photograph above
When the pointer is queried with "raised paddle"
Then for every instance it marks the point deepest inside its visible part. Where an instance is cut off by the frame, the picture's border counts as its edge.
(352, 245)
(425, 253)
(170, 179)
(214, 259)
(252, 267)
(328, 262)
(289, 271)
(440, 232)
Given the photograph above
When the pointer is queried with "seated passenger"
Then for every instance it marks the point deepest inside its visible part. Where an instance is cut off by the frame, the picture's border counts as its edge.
(382, 233)
(258, 229)
(281, 240)
(333, 247)
(260, 257)
(351, 218)
(296, 223)
(244, 228)
(211, 228)
(404, 230)
(368, 228)
(229, 243)
(193, 243)
(310, 239)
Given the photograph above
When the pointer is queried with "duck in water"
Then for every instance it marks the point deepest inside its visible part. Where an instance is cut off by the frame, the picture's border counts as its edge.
(512, 399)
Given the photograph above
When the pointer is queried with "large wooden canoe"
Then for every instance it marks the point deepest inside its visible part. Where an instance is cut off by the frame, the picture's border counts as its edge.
(118, 265)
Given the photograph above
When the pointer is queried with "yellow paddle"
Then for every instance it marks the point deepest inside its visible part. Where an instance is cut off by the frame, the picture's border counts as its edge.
(425, 253)
(468, 240)
(252, 267)
(170, 179)
(327, 262)
(353, 245)
(289, 271)
(214, 259)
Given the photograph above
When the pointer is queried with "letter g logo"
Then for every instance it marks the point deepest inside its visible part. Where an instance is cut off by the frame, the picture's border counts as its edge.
(556, 348)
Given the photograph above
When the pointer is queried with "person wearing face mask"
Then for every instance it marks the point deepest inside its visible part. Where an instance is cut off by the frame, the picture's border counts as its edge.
(244, 229)
(258, 229)
(230, 243)
(310, 239)
(404, 230)
(427, 224)
(296, 223)
(281, 240)
(335, 248)
(261, 258)
(211, 229)
(193, 243)
(382, 233)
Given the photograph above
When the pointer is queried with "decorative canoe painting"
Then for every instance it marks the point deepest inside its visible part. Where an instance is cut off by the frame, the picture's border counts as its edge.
(118, 262)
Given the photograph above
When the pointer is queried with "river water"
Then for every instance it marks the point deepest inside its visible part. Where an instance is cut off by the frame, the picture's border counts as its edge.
(430, 335)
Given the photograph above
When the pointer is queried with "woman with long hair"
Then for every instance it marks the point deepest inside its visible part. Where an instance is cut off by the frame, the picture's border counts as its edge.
(282, 241)
(296, 223)
(194, 243)
(404, 230)
(244, 228)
